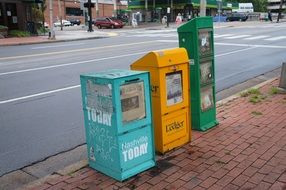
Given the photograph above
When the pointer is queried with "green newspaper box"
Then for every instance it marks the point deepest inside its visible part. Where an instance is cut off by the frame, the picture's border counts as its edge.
(197, 37)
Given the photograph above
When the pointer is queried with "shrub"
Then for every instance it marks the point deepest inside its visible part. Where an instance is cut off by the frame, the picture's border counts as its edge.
(18, 33)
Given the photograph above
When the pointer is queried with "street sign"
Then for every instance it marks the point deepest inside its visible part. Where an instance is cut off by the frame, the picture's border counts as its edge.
(168, 10)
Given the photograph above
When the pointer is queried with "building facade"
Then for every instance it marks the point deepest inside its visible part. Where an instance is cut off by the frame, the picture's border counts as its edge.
(16, 14)
(74, 9)
(151, 10)
(274, 5)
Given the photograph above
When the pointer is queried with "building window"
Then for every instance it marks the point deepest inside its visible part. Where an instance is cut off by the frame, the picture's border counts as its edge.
(74, 11)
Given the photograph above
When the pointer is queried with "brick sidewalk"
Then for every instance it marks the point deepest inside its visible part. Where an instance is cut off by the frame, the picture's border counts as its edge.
(24, 40)
(247, 150)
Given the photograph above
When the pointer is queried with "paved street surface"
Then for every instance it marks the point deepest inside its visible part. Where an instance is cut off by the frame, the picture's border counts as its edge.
(40, 102)
(247, 150)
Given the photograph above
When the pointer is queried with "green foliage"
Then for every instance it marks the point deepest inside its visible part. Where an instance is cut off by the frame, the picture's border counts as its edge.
(257, 98)
(18, 33)
(43, 30)
(256, 113)
(251, 91)
(3, 27)
(274, 90)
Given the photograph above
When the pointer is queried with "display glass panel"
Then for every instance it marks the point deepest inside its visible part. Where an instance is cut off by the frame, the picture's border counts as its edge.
(132, 101)
(207, 100)
(174, 88)
(206, 72)
(205, 43)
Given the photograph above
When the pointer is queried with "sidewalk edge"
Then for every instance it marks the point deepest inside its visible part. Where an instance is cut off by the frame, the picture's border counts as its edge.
(237, 95)
(65, 171)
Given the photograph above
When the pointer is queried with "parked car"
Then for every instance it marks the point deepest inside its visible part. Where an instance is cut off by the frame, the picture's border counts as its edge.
(74, 21)
(108, 22)
(65, 23)
(237, 17)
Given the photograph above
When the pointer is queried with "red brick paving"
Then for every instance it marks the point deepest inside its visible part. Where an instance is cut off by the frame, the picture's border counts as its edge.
(245, 151)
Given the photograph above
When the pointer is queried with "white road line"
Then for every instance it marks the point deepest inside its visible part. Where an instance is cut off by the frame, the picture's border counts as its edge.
(232, 52)
(251, 45)
(63, 45)
(233, 44)
(238, 36)
(256, 37)
(76, 86)
(276, 38)
(222, 35)
(73, 51)
(38, 94)
(69, 64)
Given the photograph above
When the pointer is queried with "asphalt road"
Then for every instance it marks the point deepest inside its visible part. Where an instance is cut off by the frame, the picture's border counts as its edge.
(40, 101)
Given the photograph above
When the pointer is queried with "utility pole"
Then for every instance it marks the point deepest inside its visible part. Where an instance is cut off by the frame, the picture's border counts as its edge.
(89, 17)
(52, 32)
(280, 10)
(203, 8)
(96, 9)
(60, 13)
(114, 8)
(146, 9)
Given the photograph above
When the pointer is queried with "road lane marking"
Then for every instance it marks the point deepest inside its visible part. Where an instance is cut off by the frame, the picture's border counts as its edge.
(251, 45)
(236, 51)
(76, 86)
(256, 37)
(38, 94)
(237, 36)
(234, 44)
(73, 51)
(222, 35)
(276, 38)
(69, 64)
(55, 46)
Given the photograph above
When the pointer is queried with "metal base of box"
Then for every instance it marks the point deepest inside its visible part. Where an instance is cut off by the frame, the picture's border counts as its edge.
(206, 126)
(123, 175)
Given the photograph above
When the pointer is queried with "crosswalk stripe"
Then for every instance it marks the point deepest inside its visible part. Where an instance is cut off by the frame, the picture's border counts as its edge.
(256, 37)
(222, 35)
(238, 36)
(276, 38)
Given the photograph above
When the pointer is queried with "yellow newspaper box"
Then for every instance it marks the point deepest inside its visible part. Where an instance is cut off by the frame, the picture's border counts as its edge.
(169, 73)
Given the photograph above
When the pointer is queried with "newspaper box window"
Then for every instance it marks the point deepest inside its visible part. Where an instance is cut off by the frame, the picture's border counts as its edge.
(118, 123)
(132, 101)
(205, 42)
(170, 96)
(174, 88)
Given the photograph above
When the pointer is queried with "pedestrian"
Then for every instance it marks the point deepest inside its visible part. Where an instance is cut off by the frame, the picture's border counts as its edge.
(179, 19)
(134, 23)
(164, 20)
(269, 16)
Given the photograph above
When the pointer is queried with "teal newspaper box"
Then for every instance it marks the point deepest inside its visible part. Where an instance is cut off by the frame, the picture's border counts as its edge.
(118, 122)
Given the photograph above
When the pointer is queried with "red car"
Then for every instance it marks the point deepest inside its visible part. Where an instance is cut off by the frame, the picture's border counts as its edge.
(108, 22)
